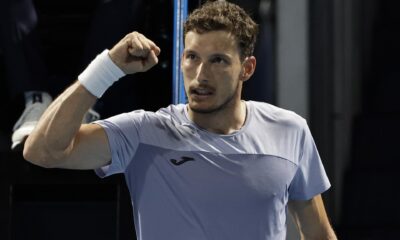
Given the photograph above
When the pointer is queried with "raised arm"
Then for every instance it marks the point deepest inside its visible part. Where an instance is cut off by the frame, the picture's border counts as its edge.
(59, 139)
(311, 219)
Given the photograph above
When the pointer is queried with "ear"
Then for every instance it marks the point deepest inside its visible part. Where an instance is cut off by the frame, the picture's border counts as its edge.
(248, 68)
(181, 60)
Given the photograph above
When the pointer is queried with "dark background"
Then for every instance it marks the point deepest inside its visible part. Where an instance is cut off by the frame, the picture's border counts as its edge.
(353, 64)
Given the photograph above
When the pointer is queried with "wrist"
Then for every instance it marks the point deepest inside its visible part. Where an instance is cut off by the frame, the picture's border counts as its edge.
(101, 73)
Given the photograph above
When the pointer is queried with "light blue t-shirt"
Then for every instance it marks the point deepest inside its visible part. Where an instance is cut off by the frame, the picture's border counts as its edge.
(190, 184)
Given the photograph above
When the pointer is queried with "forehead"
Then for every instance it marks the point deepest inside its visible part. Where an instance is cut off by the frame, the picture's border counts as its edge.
(213, 41)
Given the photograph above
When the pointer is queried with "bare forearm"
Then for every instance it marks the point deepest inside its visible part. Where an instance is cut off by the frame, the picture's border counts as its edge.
(54, 134)
(321, 230)
(329, 235)
(59, 139)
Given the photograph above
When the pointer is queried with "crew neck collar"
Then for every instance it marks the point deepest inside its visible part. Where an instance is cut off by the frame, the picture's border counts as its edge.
(244, 126)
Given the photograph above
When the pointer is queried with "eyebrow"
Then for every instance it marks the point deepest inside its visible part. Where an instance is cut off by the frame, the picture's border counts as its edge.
(187, 51)
(221, 55)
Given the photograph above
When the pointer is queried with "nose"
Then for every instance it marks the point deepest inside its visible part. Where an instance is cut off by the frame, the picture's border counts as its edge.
(202, 72)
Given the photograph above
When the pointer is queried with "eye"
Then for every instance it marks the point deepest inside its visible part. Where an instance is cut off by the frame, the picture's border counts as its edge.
(218, 60)
(190, 56)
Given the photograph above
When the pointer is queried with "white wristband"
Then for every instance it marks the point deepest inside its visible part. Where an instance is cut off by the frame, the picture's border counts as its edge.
(100, 74)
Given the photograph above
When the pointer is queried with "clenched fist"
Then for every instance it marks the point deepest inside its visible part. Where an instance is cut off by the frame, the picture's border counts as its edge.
(135, 53)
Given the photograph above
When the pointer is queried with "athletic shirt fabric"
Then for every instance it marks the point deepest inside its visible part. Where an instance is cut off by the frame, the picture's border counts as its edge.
(190, 184)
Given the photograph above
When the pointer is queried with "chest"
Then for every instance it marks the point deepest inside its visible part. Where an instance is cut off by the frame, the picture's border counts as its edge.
(211, 178)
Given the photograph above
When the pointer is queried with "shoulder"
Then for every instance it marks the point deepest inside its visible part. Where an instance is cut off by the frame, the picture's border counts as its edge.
(139, 117)
(176, 112)
(273, 115)
(146, 126)
(274, 131)
(144, 120)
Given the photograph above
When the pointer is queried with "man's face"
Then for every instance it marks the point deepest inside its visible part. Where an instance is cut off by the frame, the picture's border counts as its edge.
(211, 69)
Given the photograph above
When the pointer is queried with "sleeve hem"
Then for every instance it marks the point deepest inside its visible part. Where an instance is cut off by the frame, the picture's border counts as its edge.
(310, 195)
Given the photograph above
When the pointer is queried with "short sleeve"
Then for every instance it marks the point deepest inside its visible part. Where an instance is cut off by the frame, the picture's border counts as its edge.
(123, 137)
(310, 178)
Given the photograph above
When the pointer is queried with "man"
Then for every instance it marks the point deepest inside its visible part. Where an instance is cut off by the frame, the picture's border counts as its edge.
(215, 168)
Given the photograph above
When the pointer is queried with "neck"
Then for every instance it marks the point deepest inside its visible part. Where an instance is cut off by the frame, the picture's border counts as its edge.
(225, 121)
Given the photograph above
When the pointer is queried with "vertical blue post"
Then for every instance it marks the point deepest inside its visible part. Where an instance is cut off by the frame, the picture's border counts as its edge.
(180, 14)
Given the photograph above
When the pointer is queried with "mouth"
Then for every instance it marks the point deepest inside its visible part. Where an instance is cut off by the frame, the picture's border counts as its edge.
(201, 92)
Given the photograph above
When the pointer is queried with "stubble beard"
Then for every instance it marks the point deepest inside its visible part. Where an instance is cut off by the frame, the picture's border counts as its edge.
(219, 107)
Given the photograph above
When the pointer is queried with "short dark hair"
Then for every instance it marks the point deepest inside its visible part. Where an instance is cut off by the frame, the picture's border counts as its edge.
(222, 15)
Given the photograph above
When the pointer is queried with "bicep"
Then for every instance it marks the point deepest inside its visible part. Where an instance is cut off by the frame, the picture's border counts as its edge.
(311, 218)
(89, 150)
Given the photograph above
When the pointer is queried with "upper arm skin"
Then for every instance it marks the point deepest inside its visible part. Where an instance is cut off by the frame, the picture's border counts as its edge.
(311, 219)
(89, 150)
